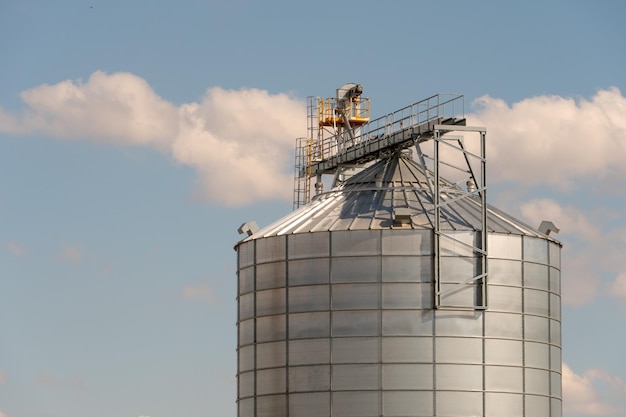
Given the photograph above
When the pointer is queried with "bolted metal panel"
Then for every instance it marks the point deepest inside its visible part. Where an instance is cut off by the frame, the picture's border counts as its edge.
(499, 404)
(309, 352)
(271, 355)
(337, 313)
(311, 404)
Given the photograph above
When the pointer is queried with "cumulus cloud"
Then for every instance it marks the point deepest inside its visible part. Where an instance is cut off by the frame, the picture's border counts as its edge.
(241, 143)
(71, 254)
(581, 283)
(200, 292)
(594, 269)
(568, 219)
(120, 108)
(582, 396)
(564, 143)
(16, 249)
(50, 381)
(613, 246)
(592, 251)
(618, 287)
(554, 140)
(9, 123)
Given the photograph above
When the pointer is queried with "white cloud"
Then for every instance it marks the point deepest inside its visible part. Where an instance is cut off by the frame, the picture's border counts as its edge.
(16, 249)
(581, 395)
(568, 219)
(593, 247)
(618, 287)
(50, 381)
(9, 123)
(71, 254)
(241, 143)
(580, 279)
(119, 108)
(614, 241)
(594, 269)
(200, 292)
(104, 271)
(580, 258)
(554, 140)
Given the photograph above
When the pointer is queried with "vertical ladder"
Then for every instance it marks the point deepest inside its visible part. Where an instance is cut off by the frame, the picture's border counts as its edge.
(301, 181)
(476, 246)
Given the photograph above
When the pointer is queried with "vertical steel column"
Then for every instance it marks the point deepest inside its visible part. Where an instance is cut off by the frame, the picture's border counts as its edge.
(287, 315)
(479, 243)
(437, 221)
(483, 203)
(254, 340)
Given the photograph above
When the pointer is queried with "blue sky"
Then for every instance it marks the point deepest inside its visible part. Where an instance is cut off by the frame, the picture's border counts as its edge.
(135, 138)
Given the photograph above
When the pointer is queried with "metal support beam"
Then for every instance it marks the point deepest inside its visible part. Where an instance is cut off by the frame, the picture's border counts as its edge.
(339, 141)
(330, 149)
(476, 168)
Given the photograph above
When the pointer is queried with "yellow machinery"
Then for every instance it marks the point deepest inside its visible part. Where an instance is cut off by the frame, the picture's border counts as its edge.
(333, 125)
(341, 138)
(346, 110)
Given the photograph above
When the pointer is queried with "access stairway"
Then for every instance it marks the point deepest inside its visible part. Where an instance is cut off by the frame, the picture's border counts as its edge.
(371, 147)
(433, 119)
(321, 154)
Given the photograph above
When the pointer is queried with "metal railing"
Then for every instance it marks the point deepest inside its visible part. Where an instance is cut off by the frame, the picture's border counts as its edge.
(439, 106)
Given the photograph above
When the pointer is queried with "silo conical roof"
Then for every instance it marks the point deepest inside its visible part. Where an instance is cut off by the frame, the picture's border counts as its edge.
(369, 199)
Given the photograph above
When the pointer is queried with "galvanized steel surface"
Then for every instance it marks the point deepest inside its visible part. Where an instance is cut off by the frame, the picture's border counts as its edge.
(336, 314)
(361, 204)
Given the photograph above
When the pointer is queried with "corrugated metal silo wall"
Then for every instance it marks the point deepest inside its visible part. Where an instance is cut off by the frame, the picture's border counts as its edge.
(342, 324)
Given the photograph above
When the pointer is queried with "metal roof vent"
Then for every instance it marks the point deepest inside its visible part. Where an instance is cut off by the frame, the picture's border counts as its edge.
(248, 227)
(406, 153)
(471, 185)
(547, 226)
(379, 180)
(402, 217)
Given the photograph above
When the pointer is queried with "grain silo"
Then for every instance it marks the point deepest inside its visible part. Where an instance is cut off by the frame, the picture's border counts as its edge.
(397, 292)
